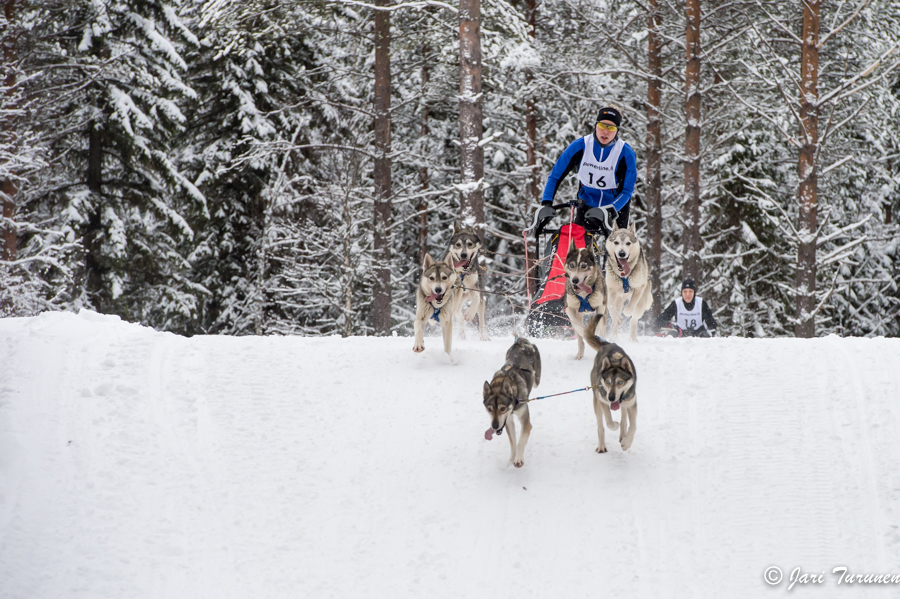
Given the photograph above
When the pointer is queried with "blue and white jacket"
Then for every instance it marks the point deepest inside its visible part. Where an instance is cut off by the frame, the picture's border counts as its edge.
(570, 160)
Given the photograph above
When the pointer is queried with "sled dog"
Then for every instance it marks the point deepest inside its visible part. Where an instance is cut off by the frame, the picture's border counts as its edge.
(614, 381)
(504, 394)
(437, 300)
(464, 250)
(627, 279)
(585, 290)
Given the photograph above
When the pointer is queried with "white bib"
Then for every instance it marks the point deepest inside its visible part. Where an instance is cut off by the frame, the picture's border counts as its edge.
(690, 319)
(599, 175)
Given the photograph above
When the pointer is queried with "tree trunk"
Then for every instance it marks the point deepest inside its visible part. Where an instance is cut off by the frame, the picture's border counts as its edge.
(691, 241)
(809, 135)
(10, 58)
(470, 115)
(533, 186)
(93, 238)
(381, 300)
(422, 206)
(654, 152)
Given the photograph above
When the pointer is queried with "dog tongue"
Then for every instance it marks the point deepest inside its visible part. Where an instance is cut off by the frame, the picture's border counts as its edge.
(623, 267)
(489, 434)
(614, 406)
(461, 264)
(583, 288)
(433, 297)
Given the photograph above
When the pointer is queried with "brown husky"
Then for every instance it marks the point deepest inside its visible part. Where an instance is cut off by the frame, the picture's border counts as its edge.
(614, 381)
(585, 290)
(508, 392)
(437, 300)
(464, 249)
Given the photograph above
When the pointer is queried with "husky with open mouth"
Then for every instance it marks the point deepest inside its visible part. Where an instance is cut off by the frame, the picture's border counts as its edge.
(627, 279)
(507, 394)
(585, 291)
(437, 299)
(465, 246)
(614, 383)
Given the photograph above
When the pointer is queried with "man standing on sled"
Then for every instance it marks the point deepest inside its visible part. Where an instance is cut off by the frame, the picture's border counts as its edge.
(606, 170)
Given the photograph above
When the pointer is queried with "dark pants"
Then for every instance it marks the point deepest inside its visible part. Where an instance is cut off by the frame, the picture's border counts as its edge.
(621, 220)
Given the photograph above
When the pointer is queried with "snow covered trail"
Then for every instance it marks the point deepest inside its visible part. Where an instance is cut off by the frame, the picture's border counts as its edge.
(143, 464)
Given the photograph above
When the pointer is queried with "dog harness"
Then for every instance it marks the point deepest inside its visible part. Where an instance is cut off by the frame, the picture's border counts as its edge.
(436, 316)
(625, 285)
(585, 304)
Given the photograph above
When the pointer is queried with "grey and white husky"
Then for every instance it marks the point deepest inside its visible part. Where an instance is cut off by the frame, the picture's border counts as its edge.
(585, 290)
(437, 300)
(465, 246)
(614, 381)
(504, 396)
(627, 279)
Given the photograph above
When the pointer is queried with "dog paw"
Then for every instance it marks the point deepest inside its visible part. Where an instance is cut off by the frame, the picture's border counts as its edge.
(601, 449)
(613, 427)
(518, 463)
(626, 445)
(484, 337)
(418, 348)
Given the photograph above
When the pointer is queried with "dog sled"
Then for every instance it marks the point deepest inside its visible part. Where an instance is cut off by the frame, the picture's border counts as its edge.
(547, 313)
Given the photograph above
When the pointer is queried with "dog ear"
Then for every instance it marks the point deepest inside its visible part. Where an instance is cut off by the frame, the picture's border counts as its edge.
(633, 228)
(572, 248)
(448, 259)
(487, 389)
(455, 228)
(428, 261)
(604, 364)
(615, 225)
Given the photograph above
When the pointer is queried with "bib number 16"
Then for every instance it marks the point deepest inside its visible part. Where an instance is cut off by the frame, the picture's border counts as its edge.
(601, 180)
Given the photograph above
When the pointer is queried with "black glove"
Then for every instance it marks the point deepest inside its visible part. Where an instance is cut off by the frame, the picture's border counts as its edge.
(542, 217)
(605, 215)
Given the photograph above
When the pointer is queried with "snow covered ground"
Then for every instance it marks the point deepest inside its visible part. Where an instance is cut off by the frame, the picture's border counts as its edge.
(143, 464)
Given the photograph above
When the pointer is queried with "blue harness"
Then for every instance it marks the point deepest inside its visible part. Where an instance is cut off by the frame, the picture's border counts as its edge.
(436, 316)
(585, 305)
(625, 285)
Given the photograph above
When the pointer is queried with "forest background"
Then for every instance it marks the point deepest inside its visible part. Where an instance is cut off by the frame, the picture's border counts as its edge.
(262, 167)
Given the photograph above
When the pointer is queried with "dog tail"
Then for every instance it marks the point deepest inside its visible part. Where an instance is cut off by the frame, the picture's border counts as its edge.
(590, 334)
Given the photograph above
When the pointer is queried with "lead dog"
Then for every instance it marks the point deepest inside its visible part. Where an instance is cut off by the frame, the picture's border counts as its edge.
(614, 382)
(627, 279)
(585, 290)
(464, 249)
(505, 395)
(437, 300)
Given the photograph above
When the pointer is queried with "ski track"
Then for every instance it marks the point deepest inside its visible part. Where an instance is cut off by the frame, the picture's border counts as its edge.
(142, 464)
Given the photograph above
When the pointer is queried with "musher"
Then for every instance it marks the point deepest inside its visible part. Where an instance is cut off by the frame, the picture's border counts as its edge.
(693, 316)
(607, 171)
